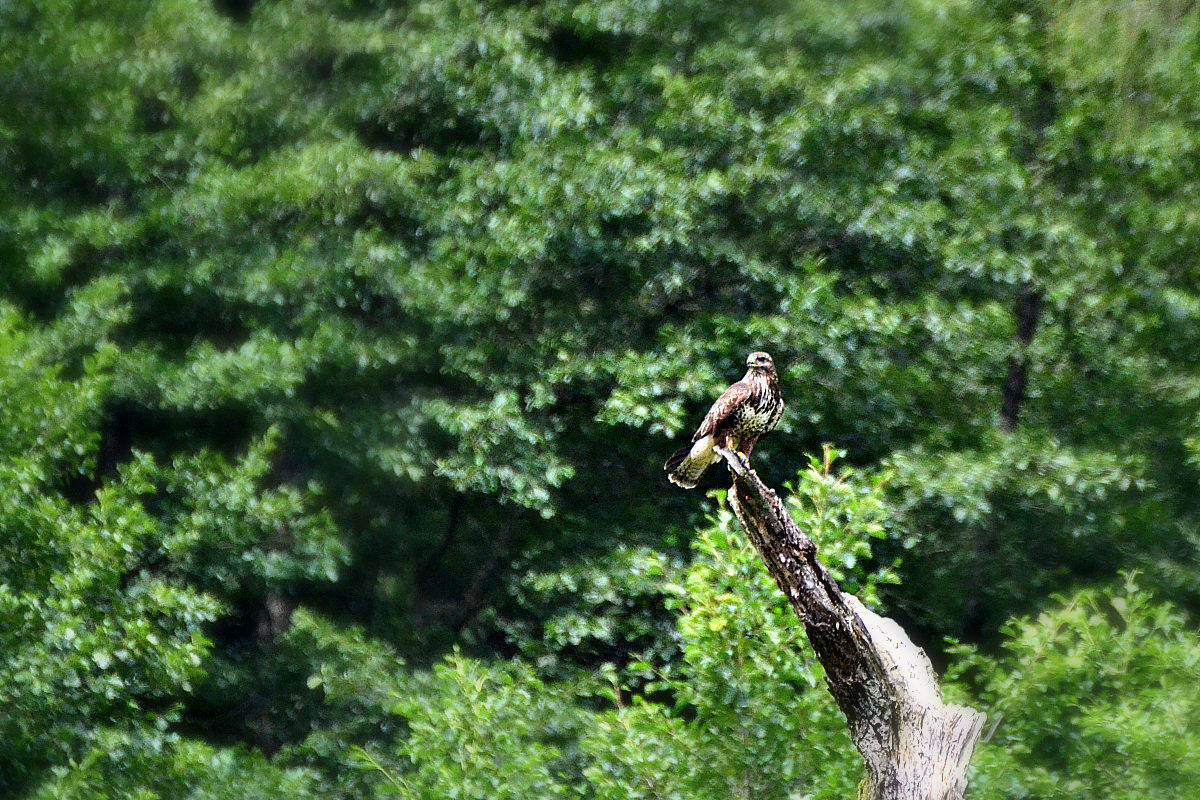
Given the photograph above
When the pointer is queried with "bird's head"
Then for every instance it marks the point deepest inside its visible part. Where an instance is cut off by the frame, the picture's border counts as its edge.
(760, 363)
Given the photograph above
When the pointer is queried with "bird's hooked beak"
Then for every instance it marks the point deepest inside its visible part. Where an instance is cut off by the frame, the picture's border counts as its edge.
(760, 362)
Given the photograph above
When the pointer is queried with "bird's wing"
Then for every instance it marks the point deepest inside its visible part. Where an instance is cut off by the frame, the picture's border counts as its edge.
(729, 400)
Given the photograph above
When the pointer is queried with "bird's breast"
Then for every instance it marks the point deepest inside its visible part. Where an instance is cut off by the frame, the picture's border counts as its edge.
(761, 410)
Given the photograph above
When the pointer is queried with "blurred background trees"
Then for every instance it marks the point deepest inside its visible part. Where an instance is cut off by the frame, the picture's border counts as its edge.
(343, 333)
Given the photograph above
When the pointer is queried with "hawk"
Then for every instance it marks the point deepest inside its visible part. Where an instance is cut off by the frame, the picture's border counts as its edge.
(742, 414)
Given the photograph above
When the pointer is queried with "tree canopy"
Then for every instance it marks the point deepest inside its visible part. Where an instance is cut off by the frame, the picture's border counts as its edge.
(343, 341)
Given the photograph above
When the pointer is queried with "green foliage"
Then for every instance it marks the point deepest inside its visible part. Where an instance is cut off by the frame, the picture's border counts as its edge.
(213, 507)
(1093, 698)
(356, 679)
(88, 639)
(472, 254)
(741, 713)
(476, 732)
(339, 331)
(611, 611)
(149, 764)
(999, 527)
(763, 724)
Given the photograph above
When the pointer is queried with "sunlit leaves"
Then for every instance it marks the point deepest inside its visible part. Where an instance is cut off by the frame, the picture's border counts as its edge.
(397, 309)
(1095, 696)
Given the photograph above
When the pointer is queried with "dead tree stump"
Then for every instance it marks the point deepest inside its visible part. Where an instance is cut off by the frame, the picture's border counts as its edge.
(915, 746)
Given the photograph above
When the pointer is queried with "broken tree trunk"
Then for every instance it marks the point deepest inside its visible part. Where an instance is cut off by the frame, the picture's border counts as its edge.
(915, 746)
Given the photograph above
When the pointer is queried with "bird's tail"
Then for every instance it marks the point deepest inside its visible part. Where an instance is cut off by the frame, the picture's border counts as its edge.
(685, 467)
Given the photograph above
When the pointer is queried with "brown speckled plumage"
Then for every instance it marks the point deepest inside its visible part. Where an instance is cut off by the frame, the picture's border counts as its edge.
(740, 416)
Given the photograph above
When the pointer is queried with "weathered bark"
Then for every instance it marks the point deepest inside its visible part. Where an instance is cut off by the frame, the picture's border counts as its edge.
(915, 746)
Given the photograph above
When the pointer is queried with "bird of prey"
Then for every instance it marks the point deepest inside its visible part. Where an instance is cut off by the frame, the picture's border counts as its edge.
(742, 414)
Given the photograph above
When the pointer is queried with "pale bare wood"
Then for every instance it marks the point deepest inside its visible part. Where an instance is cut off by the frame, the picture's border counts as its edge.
(916, 747)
